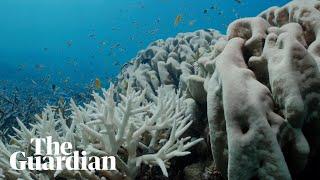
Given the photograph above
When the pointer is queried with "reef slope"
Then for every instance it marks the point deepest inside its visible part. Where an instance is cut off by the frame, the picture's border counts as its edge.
(258, 87)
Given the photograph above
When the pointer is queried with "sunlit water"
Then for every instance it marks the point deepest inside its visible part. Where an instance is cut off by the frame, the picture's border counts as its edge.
(69, 43)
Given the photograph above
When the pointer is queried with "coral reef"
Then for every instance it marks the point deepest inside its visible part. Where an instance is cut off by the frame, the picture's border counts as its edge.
(259, 86)
(134, 130)
(253, 95)
(170, 62)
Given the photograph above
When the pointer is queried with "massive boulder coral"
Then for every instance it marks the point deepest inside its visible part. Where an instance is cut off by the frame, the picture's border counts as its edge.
(277, 48)
(246, 112)
(174, 62)
(169, 62)
(296, 34)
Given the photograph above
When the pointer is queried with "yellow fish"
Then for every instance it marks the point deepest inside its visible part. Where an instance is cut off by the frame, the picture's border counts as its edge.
(61, 100)
(97, 83)
(191, 23)
(66, 80)
(177, 20)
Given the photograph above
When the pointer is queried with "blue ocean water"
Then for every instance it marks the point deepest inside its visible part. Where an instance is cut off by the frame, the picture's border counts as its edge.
(69, 43)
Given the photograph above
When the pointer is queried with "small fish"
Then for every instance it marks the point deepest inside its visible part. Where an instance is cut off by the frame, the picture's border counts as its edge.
(72, 62)
(153, 31)
(66, 80)
(13, 142)
(39, 66)
(61, 100)
(34, 82)
(115, 28)
(92, 36)
(116, 45)
(238, 1)
(191, 23)
(69, 43)
(21, 67)
(141, 5)
(205, 11)
(103, 43)
(82, 95)
(46, 78)
(45, 49)
(109, 79)
(122, 50)
(116, 63)
(53, 86)
(97, 83)
(178, 20)
(135, 23)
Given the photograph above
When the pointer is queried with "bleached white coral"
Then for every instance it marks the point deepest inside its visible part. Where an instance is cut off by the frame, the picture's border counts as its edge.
(133, 130)
(129, 124)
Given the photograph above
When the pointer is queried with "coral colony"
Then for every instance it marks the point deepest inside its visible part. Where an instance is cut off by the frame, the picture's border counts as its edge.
(103, 129)
(257, 89)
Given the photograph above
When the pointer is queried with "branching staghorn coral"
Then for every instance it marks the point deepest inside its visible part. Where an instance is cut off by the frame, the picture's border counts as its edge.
(134, 130)
(125, 126)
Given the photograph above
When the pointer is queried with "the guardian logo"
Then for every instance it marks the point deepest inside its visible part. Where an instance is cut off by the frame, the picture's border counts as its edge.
(58, 157)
